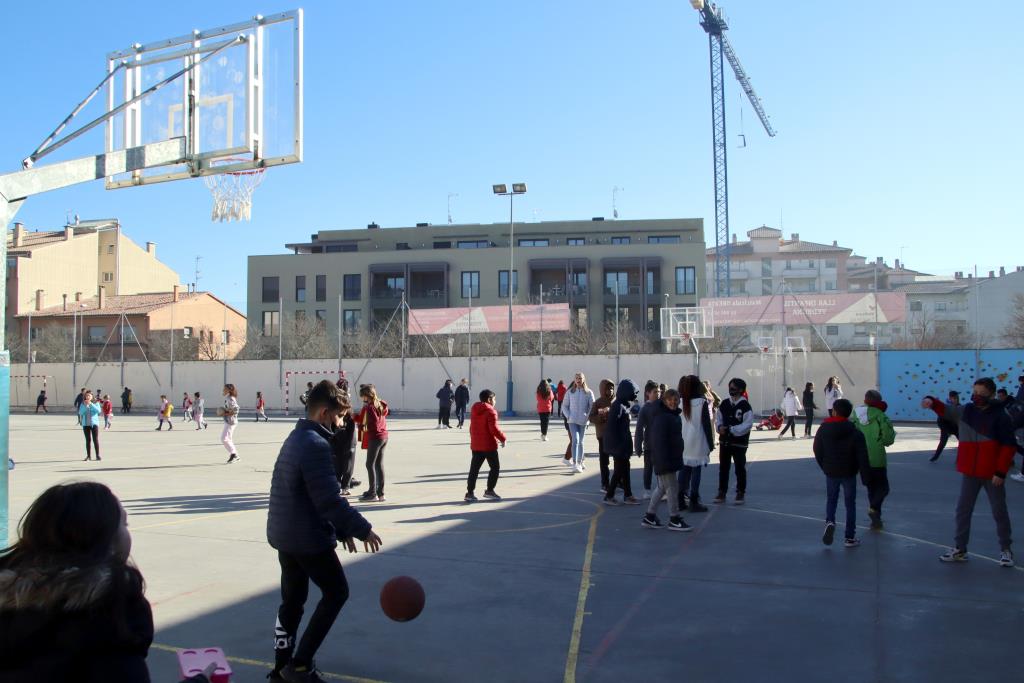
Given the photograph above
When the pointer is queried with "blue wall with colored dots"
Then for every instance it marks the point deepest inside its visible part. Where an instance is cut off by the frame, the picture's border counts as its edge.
(905, 377)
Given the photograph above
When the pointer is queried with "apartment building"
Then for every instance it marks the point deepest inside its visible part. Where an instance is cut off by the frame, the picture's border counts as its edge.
(361, 275)
(47, 267)
(759, 265)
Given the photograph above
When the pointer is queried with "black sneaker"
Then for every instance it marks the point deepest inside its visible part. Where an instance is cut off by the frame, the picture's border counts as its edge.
(695, 506)
(876, 519)
(739, 499)
(368, 497)
(851, 542)
(470, 498)
(274, 677)
(651, 521)
(719, 499)
(677, 524)
(353, 483)
(492, 495)
(231, 458)
(830, 533)
(309, 674)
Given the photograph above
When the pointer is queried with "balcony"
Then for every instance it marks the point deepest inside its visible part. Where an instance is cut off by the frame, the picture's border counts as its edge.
(798, 272)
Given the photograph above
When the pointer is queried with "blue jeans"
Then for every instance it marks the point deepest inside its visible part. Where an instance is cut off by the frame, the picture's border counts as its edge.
(849, 485)
(576, 433)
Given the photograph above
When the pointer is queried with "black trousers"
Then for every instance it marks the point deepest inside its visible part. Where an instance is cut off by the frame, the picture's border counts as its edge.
(728, 453)
(344, 466)
(790, 425)
(810, 421)
(603, 459)
(878, 488)
(93, 433)
(944, 435)
(324, 569)
(444, 413)
(648, 471)
(620, 477)
(544, 419)
(474, 469)
(375, 466)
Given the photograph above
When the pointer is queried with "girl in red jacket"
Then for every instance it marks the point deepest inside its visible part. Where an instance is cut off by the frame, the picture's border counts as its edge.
(374, 429)
(545, 399)
(484, 436)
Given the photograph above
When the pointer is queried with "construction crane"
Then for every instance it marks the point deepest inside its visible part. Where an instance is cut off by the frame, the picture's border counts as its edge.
(714, 23)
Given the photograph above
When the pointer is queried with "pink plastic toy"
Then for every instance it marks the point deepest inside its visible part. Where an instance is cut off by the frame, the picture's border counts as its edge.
(193, 662)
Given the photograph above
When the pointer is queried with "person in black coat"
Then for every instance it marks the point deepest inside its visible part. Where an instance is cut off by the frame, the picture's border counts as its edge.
(665, 438)
(72, 606)
(841, 452)
(344, 442)
(461, 401)
(306, 517)
(641, 436)
(619, 443)
(809, 408)
(445, 397)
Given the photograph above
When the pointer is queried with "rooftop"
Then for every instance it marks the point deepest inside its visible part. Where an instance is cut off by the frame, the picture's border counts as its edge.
(131, 304)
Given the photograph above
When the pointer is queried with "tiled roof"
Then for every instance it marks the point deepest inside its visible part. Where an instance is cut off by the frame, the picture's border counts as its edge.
(132, 304)
(804, 247)
(34, 240)
(944, 287)
(764, 231)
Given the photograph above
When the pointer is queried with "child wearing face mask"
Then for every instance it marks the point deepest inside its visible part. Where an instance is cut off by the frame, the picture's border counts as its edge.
(733, 420)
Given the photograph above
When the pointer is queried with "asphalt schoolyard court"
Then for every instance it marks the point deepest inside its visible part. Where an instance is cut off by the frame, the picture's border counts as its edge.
(548, 584)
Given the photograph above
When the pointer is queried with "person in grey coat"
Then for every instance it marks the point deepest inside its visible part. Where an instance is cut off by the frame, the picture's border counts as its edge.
(307, 515)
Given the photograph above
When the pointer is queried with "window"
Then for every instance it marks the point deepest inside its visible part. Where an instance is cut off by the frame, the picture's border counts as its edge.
(443, 245)
(576, 242)
(812, 286)
(830, 285)
(609, 314)
(620, 240)
(316, 250)
(300, 288)
(830, 263)
(686, 280)
(110, 248)
(471, 284)
(616, 281)
(533, 243)
(831, 330)
(394, 284)
(336, 248)
(789, 264)
(321, 288)
(578, 282)
(503, 283)
(36, 333)
(225, 337)
(860, 330)
(321, 316)
(651, 282)
(271, 289)
(810, 264)
(915, 305)
(940, 305)
(353, 288)
(766, 288)
(96, 334)
(663, 239)
(128, 333)
(472, 244)
(186, 332)
(271, 323)
(766, 267)
(108, 277)
(402, 246)
(352, 320)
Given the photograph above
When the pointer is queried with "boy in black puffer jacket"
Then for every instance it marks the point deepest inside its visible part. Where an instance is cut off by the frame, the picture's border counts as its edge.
(841, 452)
(665, 432)
(619, 443)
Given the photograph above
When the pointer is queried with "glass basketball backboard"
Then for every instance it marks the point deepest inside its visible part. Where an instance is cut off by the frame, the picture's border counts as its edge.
(687, 322)
(234, 93)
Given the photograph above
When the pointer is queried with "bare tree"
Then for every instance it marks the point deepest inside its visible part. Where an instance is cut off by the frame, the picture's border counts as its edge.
(257, 345)
(1013, 333)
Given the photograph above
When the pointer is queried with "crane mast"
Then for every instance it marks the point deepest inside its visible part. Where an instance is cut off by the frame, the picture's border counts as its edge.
(720, 50)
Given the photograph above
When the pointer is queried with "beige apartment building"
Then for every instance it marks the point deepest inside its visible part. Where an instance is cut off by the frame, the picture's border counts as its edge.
(361, 275)
(46, 268)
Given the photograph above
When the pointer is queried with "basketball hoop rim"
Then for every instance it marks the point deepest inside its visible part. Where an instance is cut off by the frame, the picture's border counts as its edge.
(238, 160)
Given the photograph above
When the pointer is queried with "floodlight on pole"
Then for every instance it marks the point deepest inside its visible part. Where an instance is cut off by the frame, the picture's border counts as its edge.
(502, 191)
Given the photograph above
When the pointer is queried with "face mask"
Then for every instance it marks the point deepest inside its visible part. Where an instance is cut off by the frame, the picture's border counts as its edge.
(733, 393)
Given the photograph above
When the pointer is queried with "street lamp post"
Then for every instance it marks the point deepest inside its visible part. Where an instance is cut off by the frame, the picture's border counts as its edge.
(502, 191)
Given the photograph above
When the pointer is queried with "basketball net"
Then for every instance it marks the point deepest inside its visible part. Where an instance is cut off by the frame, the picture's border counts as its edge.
(232, 193)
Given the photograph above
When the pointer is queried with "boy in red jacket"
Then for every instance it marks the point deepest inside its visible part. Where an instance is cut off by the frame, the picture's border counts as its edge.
(484, 436)
(983, 456)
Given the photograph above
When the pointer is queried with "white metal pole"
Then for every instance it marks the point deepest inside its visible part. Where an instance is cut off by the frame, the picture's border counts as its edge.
(121, 321)
(509, 411)
(469, 336)
(172, 343)
(339, 337)
(74, 346)
(617, 284)
(28, 352)
(280, 341)
(542, 331)
(224, 342)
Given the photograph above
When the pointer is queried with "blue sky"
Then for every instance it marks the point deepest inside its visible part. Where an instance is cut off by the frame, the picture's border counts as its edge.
(898, 123)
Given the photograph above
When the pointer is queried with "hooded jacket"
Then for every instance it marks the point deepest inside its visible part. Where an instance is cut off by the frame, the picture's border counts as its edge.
(598, 419)
(374, 421)
(986, 444)
(641, 435)
(878, 431)
(307, 513)
(665, 437)
(617, 440)
(577, 404)
(840, 448)
(484, 433)
(445, 396)
(791, 405)
(64, 625)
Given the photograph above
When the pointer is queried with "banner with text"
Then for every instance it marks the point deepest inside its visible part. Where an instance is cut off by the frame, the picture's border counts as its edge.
(484, 319)
(803, 309)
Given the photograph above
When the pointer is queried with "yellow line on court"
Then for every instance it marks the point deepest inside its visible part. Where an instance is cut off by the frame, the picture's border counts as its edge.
(581, 601)
(269, 665)
(883, 532)
(186, 520)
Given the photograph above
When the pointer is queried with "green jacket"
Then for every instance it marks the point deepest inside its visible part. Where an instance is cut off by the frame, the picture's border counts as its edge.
(874, 424)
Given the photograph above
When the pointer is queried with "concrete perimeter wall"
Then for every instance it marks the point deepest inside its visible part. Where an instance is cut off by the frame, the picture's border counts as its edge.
(424, 376)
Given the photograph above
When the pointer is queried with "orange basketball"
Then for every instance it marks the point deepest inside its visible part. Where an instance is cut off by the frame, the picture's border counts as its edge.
(402, 598)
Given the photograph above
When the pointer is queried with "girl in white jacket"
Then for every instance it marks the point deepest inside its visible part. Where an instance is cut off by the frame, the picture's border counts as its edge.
(833, 392)
(791, 408)
(698, 441)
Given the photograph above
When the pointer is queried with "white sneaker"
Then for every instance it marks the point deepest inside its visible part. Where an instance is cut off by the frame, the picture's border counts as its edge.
(438, 426)
(583, 466)
(577, 469)
(544, 437)
(1017, 476)
(646, 495)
